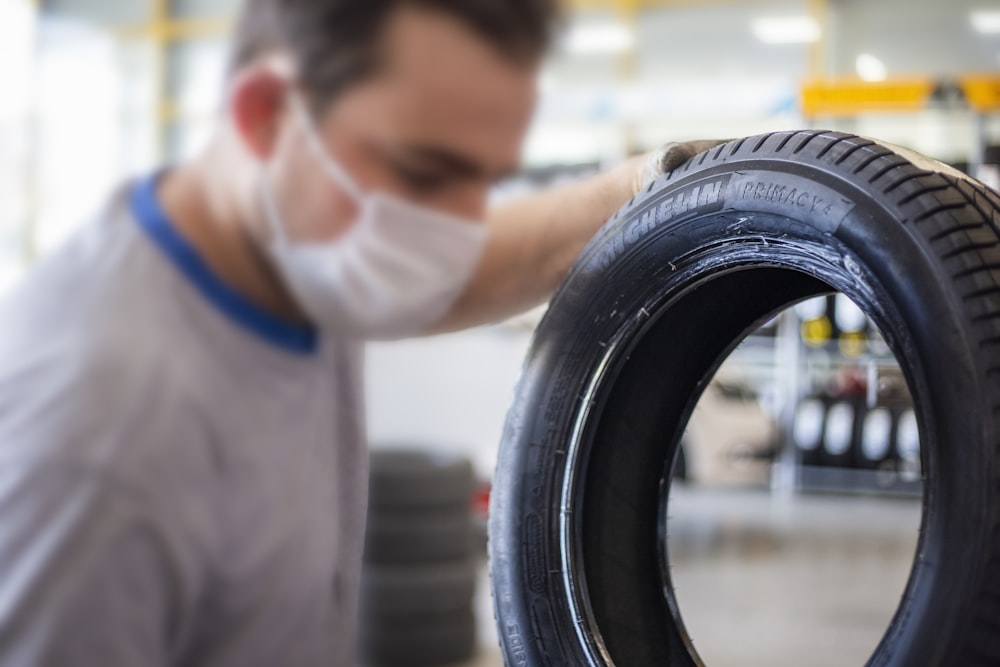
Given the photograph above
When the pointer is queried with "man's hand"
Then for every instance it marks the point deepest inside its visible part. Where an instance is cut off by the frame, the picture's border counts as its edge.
(668, 157)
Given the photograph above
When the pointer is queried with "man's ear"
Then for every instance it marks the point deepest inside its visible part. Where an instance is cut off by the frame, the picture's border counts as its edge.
(257, 104)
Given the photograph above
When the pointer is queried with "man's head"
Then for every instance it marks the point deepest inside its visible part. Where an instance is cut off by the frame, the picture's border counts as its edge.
(425, 99)
(337, 42)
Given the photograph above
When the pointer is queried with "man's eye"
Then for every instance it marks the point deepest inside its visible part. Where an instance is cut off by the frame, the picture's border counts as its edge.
(420, 179)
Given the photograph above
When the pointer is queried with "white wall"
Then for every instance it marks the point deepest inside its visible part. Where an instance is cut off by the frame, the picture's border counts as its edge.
(448, 393)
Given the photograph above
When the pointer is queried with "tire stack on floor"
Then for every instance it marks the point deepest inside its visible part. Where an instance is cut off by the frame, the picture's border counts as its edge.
(419, 577)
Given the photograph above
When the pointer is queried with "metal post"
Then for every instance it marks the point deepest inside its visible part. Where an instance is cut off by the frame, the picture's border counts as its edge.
(32, 128)
(977, 157)
(788, 366)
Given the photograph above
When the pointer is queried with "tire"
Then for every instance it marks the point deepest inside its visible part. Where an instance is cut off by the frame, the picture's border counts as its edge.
(419, 537)
(664, 292)
(406, 479)
(393, 591)
(841, 436)
(425, 641)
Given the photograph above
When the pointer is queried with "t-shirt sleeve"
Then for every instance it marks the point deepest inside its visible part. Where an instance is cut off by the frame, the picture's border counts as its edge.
(88, 573)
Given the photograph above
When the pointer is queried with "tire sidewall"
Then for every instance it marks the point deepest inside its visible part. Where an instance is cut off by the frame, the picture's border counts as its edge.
(626, 271)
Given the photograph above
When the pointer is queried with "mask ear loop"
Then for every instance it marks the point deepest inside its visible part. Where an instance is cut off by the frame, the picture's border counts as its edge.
(330, 165)
(271, 212)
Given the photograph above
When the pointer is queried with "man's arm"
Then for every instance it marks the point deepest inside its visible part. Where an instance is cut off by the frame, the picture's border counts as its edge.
(535, 240)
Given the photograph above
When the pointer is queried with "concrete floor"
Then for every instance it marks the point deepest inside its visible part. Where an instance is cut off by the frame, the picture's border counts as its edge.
(779, 581)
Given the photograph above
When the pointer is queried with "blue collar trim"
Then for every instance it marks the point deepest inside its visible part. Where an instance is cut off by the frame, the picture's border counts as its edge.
(297, 338)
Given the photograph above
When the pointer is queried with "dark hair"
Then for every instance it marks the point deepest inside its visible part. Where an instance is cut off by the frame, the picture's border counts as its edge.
(335, 42)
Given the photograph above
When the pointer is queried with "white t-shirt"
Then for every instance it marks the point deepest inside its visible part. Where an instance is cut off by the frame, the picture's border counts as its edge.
(183, 477)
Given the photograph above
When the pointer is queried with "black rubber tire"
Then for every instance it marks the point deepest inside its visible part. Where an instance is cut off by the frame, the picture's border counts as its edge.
(420, 537)
(407, 479)
(401, 590)
(672, 283)
(419, 641)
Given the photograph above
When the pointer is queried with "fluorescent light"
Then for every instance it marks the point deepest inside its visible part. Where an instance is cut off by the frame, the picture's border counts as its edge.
(986, 21)
(599, 38)
(871, 68)
(786, 30)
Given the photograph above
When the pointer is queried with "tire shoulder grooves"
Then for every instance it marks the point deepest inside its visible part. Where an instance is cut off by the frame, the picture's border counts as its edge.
(836, 142)
(944, 208)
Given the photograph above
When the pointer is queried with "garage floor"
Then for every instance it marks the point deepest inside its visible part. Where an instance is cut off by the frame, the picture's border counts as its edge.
(775, 582)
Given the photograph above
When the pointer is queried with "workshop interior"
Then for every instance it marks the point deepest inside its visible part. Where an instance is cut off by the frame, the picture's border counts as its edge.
(796, 492)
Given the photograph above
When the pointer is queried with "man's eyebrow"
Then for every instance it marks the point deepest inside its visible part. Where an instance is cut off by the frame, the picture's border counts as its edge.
(455, 162)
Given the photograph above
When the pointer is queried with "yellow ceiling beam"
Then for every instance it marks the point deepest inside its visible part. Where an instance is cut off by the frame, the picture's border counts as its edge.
(982, 92)
(635, 5)
(850, 97)
(627, 7)
(177, 29)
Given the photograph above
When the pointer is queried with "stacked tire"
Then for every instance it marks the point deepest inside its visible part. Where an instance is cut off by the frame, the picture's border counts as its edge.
(419, 577)
(843, 432)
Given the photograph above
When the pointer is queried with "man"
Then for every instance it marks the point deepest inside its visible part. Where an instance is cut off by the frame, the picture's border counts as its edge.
(182, 457)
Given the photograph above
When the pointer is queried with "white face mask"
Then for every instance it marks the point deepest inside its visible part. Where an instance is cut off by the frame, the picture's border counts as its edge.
(398, 270)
